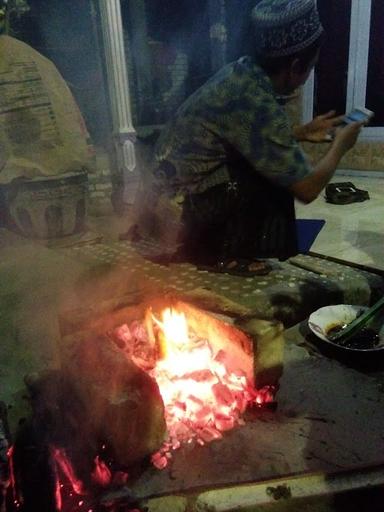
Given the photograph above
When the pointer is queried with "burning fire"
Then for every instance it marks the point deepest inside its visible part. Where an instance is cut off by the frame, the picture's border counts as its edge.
(202, 398)
(175, 329)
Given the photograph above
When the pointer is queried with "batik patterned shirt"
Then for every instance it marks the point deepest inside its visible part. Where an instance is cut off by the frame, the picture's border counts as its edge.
(234, 113)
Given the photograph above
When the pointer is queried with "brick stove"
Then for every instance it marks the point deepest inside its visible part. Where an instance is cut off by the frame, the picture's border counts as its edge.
(100, 419)
(312, 445)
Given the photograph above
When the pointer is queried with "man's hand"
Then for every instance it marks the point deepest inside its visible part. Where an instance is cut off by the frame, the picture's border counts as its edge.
(346, 137)
(308, 188)
(320, 129)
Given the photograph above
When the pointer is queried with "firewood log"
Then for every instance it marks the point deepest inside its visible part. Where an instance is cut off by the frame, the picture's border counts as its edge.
(124, 402)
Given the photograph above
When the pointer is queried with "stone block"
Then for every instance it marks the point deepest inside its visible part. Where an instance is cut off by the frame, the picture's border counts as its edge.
(167, 504)
(268, 349)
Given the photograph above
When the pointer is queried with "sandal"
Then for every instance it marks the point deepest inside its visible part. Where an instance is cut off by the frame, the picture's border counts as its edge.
(239, 267)
(132, 235)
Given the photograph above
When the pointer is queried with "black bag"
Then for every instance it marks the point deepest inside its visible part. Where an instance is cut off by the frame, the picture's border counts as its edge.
(344, 193)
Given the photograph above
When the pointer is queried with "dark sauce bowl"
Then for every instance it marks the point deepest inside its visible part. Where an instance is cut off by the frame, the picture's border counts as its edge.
(331, 319)
(365, 339)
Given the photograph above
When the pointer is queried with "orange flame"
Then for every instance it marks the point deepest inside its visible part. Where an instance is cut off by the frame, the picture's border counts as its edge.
(175, 328)
(174, 332)
(180, 355)
(202, 398)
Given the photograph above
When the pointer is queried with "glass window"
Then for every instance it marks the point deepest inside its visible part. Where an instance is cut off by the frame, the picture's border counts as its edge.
(167, 54)
(375, 79)
(238, 33)
(331, 72)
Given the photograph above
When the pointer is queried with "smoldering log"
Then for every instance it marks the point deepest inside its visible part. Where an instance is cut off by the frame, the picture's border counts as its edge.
(123, 401)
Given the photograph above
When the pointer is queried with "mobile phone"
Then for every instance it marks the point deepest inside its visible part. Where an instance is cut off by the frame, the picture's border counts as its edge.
(358, 115)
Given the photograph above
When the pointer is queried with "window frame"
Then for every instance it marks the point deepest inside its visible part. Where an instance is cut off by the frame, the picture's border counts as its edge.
(357, 69)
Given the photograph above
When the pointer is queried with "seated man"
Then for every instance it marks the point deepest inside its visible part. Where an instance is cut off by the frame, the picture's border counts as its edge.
(229, 165)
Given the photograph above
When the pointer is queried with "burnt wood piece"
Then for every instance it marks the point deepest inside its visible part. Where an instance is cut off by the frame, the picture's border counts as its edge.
(60, 419)
(122, 401)
(35, 479)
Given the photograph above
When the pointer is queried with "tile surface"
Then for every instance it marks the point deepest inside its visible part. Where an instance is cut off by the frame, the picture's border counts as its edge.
(353, 232)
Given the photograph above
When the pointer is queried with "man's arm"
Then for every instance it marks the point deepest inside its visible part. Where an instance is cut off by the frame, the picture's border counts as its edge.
(307, 189)
(320, 129)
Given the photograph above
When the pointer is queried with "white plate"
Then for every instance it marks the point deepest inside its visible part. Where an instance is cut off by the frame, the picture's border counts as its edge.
(325, 318)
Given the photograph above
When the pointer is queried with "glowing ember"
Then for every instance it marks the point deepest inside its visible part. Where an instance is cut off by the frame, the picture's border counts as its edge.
(58, 487)
(101, 475)
(70, 494)
(62, 461)
(17, 500)
(202, 398)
